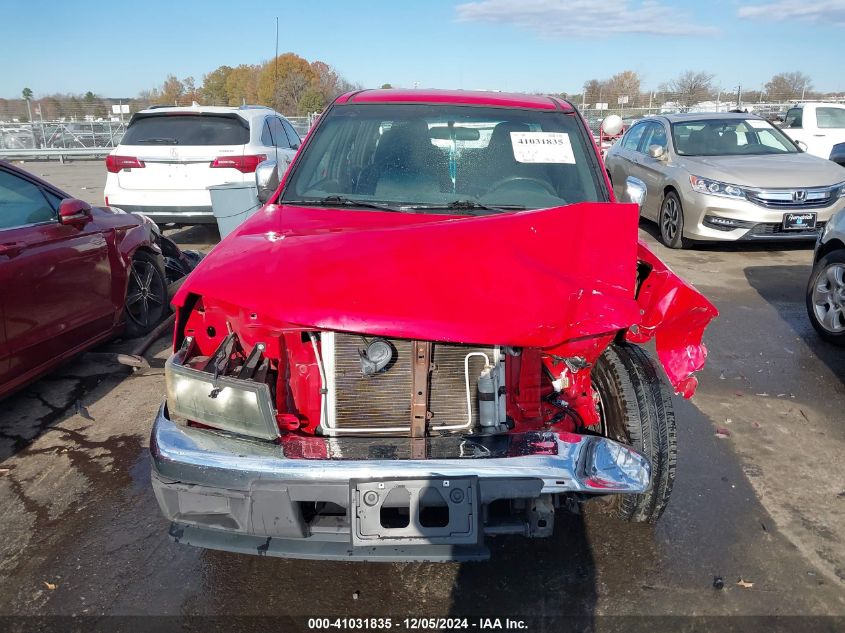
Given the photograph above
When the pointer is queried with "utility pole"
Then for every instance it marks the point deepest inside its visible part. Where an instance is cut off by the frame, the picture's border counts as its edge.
(738, 96)
(27, 94)
(41, 118)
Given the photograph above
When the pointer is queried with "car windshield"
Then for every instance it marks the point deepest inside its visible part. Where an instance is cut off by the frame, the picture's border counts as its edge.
(431, 157)
(186, 129)
(729, 137)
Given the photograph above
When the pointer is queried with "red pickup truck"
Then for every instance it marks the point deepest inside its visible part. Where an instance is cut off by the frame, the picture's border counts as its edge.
(429, 335)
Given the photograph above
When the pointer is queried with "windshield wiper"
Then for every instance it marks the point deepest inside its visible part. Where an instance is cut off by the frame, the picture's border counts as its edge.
(341, 201)
(469, 206)
(170, 141)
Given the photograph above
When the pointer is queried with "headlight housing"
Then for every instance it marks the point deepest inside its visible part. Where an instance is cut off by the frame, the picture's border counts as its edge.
(716, 188)
(223, 402)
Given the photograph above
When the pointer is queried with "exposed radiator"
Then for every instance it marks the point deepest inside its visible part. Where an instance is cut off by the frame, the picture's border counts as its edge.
(382, 403)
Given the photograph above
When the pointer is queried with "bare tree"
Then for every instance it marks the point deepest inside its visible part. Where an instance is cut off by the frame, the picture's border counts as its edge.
(691, 86)
(291, 90)
(624, 84)
(788, 86)
(593, 91)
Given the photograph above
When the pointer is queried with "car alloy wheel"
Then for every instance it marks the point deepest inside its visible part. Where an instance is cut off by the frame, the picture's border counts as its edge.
(144, 304)
(829, 298)
(670, 220)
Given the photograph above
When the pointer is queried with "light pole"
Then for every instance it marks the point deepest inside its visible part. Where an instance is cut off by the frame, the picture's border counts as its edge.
(27, 94)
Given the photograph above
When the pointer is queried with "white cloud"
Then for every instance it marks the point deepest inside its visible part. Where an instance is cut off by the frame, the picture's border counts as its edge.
(583, 18)
(830, 12)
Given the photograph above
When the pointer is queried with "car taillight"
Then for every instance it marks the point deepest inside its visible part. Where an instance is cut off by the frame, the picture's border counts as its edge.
(245, 164)
(115, 163)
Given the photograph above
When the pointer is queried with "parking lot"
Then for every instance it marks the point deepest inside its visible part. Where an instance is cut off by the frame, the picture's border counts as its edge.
(759, 500)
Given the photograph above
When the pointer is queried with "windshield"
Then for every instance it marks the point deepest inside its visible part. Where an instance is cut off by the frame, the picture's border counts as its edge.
(434, 155)
(186, 129)
(729, 137)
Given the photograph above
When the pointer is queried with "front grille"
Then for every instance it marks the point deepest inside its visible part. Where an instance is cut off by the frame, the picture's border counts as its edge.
(384, 400)
(786, 198)
(775, 229)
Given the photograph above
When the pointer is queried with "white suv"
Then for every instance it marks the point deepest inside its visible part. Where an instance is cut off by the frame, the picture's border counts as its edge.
(169, 157)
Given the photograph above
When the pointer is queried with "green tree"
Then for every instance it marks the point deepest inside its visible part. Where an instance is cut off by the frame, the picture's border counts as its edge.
(214, 86)
(27, 94)
(386, 86)
(312, 101)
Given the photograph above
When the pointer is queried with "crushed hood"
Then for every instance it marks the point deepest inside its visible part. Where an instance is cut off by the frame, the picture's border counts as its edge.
(532, 278)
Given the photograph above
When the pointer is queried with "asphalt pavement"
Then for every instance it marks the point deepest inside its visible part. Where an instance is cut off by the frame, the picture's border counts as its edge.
(758, 508)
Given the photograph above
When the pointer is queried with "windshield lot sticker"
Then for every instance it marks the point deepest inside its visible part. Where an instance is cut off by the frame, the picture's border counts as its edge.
(542, 147)
(756, 123)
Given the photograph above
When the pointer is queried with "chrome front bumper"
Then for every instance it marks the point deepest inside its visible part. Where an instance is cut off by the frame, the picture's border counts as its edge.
(760, 223)
(228, 492)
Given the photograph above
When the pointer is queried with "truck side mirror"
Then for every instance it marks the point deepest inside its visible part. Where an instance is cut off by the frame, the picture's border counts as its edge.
(266, 179)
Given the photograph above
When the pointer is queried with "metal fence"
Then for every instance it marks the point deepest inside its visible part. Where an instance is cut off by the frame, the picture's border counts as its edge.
(93, 139)
(773, 111)
(61, 135)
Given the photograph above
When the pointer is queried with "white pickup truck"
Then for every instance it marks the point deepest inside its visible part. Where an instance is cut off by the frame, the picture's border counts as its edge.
(819, 126)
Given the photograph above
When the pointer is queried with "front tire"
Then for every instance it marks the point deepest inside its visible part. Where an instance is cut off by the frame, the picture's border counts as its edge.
(826, 297)
(146, 294)
(636, 409)
(670, 221)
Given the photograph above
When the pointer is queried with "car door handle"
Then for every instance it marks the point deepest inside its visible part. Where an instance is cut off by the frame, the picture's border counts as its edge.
(819, 134)
(10, 249)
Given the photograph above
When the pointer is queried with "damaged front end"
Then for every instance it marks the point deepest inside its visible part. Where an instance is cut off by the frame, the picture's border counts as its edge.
(322, 404)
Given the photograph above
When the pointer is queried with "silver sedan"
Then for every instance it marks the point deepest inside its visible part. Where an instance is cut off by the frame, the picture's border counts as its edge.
(725, 177)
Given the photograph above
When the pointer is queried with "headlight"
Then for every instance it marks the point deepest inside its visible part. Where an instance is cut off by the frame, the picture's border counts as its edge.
(226, 403)
(715, 188)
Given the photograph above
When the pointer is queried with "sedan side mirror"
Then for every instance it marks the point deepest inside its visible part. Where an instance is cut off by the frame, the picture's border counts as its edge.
(635, 191)
(657, 152)
(802, 146)
(74, 212)
(266, 179)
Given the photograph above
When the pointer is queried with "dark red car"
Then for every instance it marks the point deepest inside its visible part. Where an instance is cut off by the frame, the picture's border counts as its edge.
(71, 276)
(430, 335)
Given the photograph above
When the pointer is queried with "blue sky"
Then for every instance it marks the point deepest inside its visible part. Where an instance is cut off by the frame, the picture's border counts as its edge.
(118, 48)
